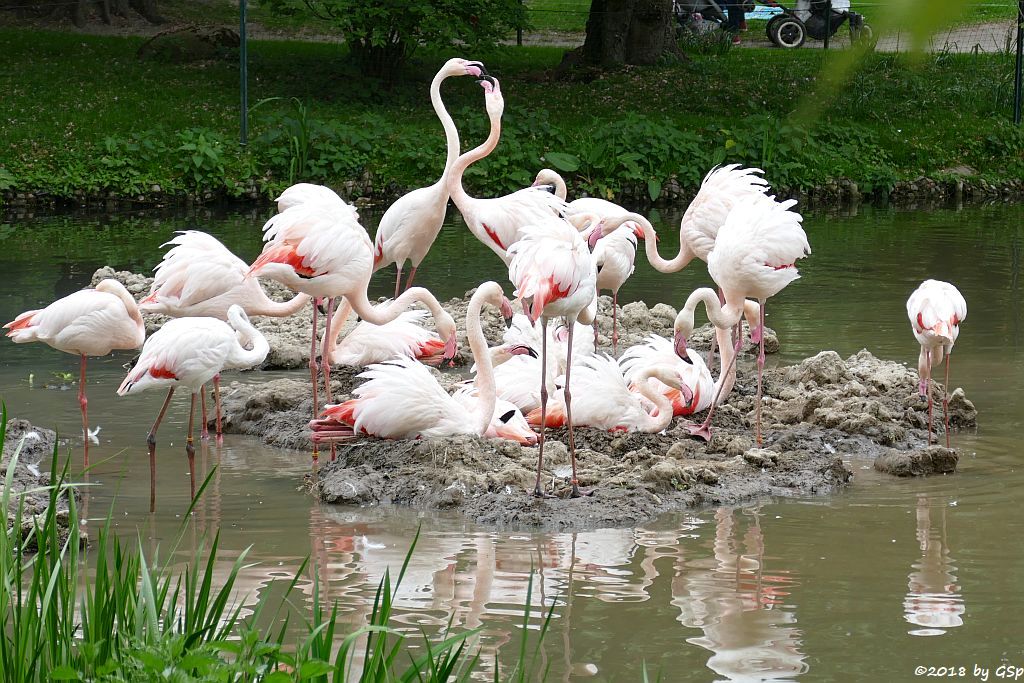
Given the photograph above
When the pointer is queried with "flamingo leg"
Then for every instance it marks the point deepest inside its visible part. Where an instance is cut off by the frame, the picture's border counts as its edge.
(928, 389)
(398, 279)
(204, 433)
(945, 401)
(190, 450)
(595, 332)
(151, 445)
(537, 490)
(412, 276)
(703, 430)
(83, 403)
(575, 493)
(325, 361)
(711, 350)
(216, 400)
(615, 324)
(313, 368)
(760, 370)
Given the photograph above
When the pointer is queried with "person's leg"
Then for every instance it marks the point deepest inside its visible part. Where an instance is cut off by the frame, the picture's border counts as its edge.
(734, 10)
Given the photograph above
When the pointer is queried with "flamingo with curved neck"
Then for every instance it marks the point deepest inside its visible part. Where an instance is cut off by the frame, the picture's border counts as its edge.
(410, 225)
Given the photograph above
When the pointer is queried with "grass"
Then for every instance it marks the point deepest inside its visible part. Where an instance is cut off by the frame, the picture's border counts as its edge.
(132, 618)
(558, 15)
(82, 114)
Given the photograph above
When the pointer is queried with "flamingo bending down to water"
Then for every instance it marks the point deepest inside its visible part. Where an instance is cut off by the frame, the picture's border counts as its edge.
(90, 322)
(410, 225)
(402, 400)
(324, 253)
(755, 256)
(190, 352)
(604, 401)
(551, 266)
(936, 310)
(498, 222)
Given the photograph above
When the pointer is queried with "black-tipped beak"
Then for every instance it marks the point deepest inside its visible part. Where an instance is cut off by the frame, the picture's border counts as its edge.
(508, 321)
(321, 307)
(480, 65)
(686, 358)
(485, 77)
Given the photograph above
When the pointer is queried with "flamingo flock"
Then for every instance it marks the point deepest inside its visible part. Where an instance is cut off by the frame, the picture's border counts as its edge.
(558, 255)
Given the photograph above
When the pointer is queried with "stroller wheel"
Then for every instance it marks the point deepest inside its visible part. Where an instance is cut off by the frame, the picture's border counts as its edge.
(789, 32)
(861, 34)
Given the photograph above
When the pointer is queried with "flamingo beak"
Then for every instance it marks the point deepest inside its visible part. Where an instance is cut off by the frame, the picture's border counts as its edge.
(506, 311)
(476, 69)
(596, 233)
(451, 346)
(680, 343)
(520, 437)
(521, 350)
(686, 392)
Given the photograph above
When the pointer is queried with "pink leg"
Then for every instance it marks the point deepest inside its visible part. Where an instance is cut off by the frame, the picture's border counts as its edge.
(703, 430)
(151, 445)
(711, 350)
(313, 373)
(216, 400)
(398, 279)
(928, 389)
(615, 323)
(190, 450)
(760, 369)
(575, 493)
(325, 361)
(83, 403)
(204, 433)
(412, 275)
(537, 490)
(945, 401)
(595, 332)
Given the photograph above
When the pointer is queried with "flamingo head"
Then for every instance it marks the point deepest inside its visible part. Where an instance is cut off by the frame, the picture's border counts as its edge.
(446, 330)
(493, 101)
(506, 311)
(509, 423)
(547, 179)
(520, 350)
(680, 344)
(596, 233)
(684, 390)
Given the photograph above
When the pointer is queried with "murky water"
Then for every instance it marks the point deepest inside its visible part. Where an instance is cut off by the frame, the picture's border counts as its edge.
(867, 584)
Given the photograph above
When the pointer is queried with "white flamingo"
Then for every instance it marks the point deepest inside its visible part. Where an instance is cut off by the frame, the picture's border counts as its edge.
(190, 352)
(755, 256)
(90, 322)
(402, 400)
(368, 343)
(936, 310)
(410, 225)
(498, 222)
(658, 351)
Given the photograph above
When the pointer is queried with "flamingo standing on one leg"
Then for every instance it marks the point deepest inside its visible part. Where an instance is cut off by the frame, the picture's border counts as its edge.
(410, 225)
(199, 276)
(402, 400)
(327, 254)
(936, 310)
(498, 222)
(190, 352)
(754, 256)
(90, 322)
(552, 267)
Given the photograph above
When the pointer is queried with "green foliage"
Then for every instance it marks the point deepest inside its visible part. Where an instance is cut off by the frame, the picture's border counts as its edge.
(381, 36)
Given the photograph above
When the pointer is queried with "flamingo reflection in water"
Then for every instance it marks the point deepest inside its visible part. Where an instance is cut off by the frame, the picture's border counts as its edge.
(933, 601)
(748, 626)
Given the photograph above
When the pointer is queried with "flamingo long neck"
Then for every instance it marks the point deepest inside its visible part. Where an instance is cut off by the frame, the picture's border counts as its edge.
(451, 133)
(260, 347)
(277, 309)
(130, 305)
(486, 393)
(338, 321)
(455, 189)
(727, 367)
(720, 316)
(385, 313)
(655, 423)
(677, 263)
(561, 190)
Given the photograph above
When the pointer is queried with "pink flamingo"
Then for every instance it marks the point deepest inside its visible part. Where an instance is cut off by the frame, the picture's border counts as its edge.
(604, 401)
(755, 256)
(551, 266)
(410, 225)
(402, 400)
(190, 352)
(368, 343)
(90, 322)
(498, 222)
(322, 252)
(309, 194)
(936, 310)
(658, 351)
(199, 276)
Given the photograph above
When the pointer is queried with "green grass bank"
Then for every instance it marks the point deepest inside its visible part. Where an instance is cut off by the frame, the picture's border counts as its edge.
(85, 119)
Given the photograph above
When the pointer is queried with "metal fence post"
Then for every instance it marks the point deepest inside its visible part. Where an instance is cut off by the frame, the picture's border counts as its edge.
(244, 69)
(1019, 67)
(828, 22)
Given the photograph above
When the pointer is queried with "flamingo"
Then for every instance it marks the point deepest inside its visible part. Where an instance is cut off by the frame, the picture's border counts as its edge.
(308, 194)
(498, 222)
(368, 343)
(936, 310)
(321, 251)
(604, 401)
(614, 256)
(410, 225)
(658, 351)
(552, 267)
(90, 322)
(755, 256)
(402, 400)
(199, 276)
(190, 352)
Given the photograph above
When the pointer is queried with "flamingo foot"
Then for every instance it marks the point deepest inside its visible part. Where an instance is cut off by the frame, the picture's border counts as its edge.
(577, 492)
(701, 431)
(220, 439)
(538, 493)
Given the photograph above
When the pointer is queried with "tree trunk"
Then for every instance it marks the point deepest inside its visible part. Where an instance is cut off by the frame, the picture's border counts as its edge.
(629, 32)
(147, 8)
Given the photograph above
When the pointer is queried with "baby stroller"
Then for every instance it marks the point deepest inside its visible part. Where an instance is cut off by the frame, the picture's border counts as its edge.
(791, 27)
(700, 16)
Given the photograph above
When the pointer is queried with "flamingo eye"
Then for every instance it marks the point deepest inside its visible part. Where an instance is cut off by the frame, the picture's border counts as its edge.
(507, 416)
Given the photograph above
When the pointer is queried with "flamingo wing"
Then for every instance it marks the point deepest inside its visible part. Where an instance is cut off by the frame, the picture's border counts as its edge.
(409, 227)
(657, 350)
(309, 194)
(196, 269)
(722, 189)
(936, 308)
(549, 263)
(86, 322)
(404, 336)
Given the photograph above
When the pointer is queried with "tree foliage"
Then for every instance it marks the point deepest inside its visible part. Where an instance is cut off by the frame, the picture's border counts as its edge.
(383, 34)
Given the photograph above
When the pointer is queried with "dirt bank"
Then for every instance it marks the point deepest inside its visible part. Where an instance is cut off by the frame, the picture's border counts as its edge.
(816, 414)
(32, 471)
